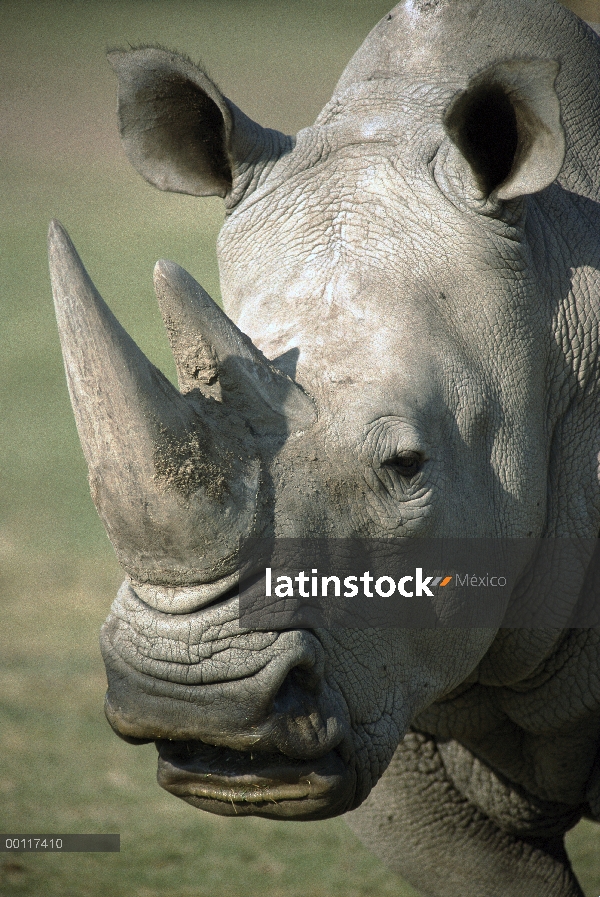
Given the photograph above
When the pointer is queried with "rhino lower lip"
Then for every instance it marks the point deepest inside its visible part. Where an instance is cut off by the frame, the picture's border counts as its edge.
(231, 782)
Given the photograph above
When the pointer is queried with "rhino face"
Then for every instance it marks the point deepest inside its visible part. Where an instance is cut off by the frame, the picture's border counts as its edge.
(400, 347)
(387, 260)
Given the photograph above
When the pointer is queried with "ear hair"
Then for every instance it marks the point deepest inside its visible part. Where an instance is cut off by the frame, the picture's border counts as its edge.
(180, 132)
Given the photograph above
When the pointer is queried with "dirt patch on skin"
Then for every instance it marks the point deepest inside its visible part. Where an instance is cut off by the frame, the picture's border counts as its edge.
(183, 461)
(424, 5)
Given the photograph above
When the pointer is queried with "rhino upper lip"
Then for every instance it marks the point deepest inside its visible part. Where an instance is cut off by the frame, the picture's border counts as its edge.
(186, 599)
(198, 771)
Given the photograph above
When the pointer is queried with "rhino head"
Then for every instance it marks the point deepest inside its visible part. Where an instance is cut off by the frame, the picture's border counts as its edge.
(405, 362)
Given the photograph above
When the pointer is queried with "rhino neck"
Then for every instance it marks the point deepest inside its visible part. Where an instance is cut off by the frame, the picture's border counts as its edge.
(528, 731)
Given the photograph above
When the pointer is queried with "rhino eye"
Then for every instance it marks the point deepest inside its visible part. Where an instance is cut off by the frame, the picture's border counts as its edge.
(406, 464)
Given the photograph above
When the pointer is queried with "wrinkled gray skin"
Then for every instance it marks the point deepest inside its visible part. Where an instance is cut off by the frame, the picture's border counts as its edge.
(422, 263)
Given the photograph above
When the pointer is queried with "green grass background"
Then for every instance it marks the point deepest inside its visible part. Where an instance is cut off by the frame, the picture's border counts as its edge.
(61, 767)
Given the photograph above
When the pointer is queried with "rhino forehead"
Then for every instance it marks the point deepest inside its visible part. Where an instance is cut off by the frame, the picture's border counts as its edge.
(361, 245)
(429, 41)
(443, 40)
(357, 192)
(364, 164)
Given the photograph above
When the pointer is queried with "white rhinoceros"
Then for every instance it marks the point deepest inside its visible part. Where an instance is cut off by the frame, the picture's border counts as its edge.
(422, 266)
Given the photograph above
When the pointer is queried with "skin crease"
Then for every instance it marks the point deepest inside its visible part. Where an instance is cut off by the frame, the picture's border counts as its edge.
(428, 317)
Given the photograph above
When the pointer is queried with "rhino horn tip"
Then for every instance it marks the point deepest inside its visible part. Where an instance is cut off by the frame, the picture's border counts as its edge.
(72, 288)
(60, 245)
(166, 270)
(55, 231)
(179, 283)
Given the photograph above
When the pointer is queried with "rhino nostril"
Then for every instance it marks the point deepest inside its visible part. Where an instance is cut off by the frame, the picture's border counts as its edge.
(297, 693)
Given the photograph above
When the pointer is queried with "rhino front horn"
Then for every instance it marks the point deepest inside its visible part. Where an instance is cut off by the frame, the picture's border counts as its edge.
(174, 479)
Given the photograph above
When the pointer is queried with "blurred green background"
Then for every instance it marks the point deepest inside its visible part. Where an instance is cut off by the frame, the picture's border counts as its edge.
(61, 768)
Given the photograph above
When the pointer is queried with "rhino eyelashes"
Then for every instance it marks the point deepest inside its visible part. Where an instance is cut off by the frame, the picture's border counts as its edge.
(406, 464)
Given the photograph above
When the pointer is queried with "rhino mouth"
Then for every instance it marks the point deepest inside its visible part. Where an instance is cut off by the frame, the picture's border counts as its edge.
(241, 783)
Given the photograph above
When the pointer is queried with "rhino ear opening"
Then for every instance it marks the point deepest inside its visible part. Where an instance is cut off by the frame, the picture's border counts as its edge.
(506, 127)
(178, 130)
(174, 123)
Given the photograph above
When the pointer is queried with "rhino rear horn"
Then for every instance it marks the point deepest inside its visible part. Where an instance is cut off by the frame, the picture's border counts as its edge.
(270, 400)
(174, 479)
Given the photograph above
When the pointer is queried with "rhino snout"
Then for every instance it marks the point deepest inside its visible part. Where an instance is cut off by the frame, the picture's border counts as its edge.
(199, 677)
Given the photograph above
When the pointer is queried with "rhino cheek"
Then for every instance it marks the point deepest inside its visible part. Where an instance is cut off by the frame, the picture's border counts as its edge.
(402, 672)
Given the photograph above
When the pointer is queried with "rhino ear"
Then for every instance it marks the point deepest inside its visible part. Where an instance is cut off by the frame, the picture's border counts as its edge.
(177, 128)
(507, 130)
